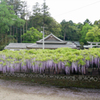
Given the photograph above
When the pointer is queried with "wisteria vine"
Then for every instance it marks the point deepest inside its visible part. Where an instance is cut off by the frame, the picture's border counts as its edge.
(66, 60)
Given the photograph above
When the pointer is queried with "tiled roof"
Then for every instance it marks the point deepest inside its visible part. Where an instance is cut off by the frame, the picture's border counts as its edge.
(17, 45)
(77, 43)
(58, 40)
(53, 44)
(37, 46)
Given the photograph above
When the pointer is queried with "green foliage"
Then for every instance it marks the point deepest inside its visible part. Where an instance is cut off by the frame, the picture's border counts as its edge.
(69, 31)
(87, 22)
(97, 23)
(65, 55)
(93, 35)
(7, 17)
(41, 17)
(31, 36)
(81, 62)
(7, 20)
(15, 20)
(5, 40)
(83, 32)
(53, 26)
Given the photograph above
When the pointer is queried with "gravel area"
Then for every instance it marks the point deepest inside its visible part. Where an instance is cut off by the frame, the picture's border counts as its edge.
(18, 90)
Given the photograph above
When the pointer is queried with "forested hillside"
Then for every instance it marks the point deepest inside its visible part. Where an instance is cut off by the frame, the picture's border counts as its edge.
(17, 24)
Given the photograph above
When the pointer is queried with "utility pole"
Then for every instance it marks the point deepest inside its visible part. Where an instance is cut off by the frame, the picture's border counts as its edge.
(43, 24)
(43, 35)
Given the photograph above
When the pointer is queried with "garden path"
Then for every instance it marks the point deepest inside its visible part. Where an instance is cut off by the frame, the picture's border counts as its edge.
(18, 90)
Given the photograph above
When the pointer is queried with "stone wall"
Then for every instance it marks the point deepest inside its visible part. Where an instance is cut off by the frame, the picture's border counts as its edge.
(67, 77)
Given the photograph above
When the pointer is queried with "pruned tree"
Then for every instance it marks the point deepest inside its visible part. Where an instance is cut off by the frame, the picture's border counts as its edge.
(31, 36)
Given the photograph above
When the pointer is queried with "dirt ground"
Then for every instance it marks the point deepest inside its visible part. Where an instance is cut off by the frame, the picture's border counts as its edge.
(15, 90)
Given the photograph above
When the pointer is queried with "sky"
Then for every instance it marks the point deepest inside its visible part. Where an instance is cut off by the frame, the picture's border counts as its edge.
(75, 10)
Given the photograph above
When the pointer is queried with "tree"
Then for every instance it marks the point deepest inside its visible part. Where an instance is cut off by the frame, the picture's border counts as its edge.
(19, 8)
(40, 18)
(83, 32)
(31, 36)
(36, 9)
(97, 23)
(87, 22)
(45, 9)
(52, 26)
(79, 28)
(6, 39)
(64, 29)
(69, 31)
(7, 17)
(7, 20)
(36, 19)
(93, 35)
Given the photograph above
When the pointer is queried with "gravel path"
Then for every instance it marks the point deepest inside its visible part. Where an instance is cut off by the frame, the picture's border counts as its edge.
(15, 90)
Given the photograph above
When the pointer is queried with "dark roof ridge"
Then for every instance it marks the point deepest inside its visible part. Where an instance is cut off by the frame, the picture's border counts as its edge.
(49, 36)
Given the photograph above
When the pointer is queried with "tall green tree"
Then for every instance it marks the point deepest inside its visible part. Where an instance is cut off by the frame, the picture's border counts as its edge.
(93, 35)
(19, 8)
(36, 20)
(53, 26)
(69, 31)
(97, 22)
(64, 29)
(7, 19)
(87, 21)
(79, 28)
(83, 32)
(41, 17)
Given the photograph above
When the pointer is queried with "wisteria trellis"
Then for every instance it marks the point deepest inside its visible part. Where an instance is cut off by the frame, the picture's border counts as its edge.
(37, 61)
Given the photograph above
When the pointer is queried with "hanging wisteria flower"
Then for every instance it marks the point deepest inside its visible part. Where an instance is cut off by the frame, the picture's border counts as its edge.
(37, 61)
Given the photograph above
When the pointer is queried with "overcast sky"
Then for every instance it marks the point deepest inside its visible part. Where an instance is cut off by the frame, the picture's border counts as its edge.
(75, 10)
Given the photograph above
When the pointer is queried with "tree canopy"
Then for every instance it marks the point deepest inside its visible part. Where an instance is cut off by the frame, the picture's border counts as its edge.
(83, 32)
(17, 24)
(7, 19)
(31, 36)
(93, 34)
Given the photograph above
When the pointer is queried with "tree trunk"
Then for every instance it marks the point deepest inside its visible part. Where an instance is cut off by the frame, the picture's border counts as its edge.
(20, 35)
(16, 35)
(23, 33)
(64, 36)
(5, 38)
(32, 22)
(10, 29)
(13, 30)
(26, 25)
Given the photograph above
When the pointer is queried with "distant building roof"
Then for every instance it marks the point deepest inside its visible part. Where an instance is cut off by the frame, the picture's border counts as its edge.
(50, 42)
(46, 46)
(17, 45)
(77, 43)
(51, 39)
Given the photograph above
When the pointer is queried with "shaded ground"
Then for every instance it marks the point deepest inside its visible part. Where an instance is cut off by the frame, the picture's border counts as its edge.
(18, 90)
